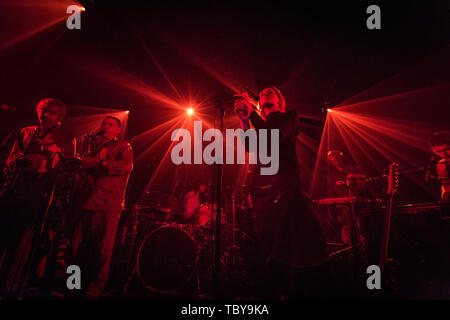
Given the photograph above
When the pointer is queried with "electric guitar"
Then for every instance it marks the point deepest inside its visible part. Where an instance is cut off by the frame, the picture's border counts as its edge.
(386, 264)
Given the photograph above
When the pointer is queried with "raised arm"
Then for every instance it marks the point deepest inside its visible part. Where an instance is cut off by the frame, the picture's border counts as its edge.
(243, 108)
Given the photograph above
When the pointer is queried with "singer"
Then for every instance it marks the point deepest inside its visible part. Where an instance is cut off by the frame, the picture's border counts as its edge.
(287, 228)
(99, 203)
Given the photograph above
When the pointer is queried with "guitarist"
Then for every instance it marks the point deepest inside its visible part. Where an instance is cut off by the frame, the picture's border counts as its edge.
(440, 145)
(31, 168)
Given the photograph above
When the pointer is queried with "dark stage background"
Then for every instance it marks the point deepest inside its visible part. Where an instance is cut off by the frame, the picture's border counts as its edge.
(156, 58)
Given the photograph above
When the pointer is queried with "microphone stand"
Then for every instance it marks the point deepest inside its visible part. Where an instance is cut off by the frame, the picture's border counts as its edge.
(218, 226)
(359, 258)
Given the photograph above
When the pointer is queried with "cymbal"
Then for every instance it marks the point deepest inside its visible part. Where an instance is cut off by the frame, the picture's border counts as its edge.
(147, 210)
(247, 188)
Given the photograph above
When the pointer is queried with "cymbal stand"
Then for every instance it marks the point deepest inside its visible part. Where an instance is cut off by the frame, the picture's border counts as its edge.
(233, 226)
(133, 233)
(359, 255)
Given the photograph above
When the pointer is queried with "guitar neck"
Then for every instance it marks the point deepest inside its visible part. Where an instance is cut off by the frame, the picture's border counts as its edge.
(391, 190)
(384, 250)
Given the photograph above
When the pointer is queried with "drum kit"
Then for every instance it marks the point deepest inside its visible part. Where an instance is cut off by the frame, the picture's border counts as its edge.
(169, 253)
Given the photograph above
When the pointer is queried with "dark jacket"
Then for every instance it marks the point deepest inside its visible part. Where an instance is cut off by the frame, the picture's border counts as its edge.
(286, 226)
(288, 124)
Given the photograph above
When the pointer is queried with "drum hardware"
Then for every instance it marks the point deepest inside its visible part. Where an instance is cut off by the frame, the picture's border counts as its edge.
(204, 214)
(246, 203)
(233, 226)
(234, 248)
(160, 206)
(239, 258)
(133, 234)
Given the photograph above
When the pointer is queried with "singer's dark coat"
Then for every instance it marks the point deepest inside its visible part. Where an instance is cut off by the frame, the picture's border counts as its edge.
(286, 225)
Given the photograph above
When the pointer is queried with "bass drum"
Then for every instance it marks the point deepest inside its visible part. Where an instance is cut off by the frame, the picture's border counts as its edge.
(167, 259)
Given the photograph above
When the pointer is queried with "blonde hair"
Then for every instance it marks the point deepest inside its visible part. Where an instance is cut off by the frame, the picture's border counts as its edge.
(54, 103)
(280, 96)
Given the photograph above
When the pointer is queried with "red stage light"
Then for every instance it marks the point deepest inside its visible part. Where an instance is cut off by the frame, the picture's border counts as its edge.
(329, 110)
(190, 111)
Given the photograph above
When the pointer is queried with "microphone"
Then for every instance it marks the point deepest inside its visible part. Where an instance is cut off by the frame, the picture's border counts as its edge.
(252, 94)
(7, 108)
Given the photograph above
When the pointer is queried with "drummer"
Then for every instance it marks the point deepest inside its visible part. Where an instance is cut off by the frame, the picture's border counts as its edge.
(193, 201)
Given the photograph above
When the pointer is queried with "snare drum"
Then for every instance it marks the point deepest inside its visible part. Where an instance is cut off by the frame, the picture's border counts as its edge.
(204, 214)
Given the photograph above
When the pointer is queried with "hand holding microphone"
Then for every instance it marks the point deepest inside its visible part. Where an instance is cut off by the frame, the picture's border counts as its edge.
(242, 105)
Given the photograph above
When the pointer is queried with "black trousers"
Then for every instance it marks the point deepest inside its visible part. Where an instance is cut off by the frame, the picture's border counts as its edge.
(289, 236)
(23, 208)
(288, 282)
(93, 240)
(288, 230)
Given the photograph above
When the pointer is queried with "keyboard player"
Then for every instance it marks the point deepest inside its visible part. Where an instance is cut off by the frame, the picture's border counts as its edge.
(343, 181)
